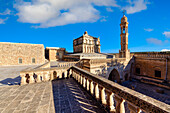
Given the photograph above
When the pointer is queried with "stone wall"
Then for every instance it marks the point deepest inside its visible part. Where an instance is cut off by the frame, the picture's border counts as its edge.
(148, 66)
(10, 53)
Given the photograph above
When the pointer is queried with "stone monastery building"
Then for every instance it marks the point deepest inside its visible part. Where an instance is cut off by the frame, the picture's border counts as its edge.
(117, 81)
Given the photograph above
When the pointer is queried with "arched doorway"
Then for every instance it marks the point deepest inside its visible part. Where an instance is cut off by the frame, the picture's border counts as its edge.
(126, 77)
(114, 76)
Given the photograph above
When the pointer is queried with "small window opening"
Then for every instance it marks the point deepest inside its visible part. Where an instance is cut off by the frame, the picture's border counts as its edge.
(33, 60)
(137, 70)
(157, 73)
(20, 60)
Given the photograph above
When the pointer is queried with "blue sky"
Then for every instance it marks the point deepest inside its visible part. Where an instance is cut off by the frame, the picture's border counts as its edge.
(55, 23)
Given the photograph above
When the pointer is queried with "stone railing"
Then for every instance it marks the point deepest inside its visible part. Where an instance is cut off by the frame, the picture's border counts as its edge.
(66, 64)
(44, 74)
(108, 92)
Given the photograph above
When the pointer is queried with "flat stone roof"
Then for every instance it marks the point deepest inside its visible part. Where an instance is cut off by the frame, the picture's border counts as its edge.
(58, 96)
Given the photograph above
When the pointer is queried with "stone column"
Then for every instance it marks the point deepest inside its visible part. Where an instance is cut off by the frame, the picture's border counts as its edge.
(38, 77)
(91, 87)
(97, 91)
(84, 82)
(133, 108)
(31, 78)
(103, 96)
(120, 108)
(87, 81)
(23, 79)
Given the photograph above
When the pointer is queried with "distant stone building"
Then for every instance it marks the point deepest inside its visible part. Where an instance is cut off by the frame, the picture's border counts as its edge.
(54, 53)
(155, 65)
(21, 54)
(124, 52)
(86, 44)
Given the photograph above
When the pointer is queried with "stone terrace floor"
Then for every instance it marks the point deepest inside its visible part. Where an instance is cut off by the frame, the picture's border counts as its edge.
(60, 96)
(9, 75)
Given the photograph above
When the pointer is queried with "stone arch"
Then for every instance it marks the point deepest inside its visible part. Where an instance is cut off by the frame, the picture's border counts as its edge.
(27, 78)
(54, 74)
(114, 76)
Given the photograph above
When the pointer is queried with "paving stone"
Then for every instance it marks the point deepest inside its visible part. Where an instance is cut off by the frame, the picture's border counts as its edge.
(59, 96)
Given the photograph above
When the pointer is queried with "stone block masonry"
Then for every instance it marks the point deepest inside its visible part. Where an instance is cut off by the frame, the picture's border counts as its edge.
(21, 54)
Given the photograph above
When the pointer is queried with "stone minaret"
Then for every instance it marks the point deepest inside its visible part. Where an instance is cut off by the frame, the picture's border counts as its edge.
(124, 52)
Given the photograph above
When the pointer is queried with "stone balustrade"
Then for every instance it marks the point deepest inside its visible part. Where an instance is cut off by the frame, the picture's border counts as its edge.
(66, 64)
(41, 75)
(113, 96)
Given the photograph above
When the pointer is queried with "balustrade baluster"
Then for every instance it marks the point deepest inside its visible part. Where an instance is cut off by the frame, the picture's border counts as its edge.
(51, 75)
(84, 82)
(81, 80)
(87, 81)
(120, 108)
(38, 77)
(31, 78)
(23, 79)
(110, 102)
(91, 87)
(103, 96)
(65, 74)
(133, 108)
(97, 91)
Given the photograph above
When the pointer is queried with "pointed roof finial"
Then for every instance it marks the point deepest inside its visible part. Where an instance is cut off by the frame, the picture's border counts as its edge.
(124, 11)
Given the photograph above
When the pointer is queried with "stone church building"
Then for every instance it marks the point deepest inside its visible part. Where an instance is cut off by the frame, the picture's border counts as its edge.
(86, 44)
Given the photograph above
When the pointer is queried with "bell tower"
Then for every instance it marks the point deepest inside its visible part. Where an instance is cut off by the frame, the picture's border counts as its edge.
(124, 52)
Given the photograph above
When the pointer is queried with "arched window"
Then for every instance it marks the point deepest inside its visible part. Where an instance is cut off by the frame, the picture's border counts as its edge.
(124, 29)
(33, 60)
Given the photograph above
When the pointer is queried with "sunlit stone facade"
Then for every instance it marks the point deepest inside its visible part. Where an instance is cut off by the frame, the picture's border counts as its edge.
(86, 44)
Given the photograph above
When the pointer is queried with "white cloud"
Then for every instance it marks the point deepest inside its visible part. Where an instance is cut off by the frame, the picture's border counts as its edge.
(6, 12)
(165, 50)
(149, 30)
(2, 21)
(136, 6)
(167, 34)
(109, 9)
(154, 41)
(104, 18)
(49, 13)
